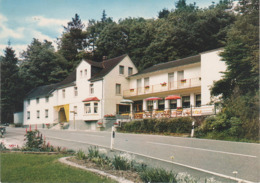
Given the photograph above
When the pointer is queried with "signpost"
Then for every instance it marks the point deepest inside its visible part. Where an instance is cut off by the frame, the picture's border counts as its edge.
(113, 134)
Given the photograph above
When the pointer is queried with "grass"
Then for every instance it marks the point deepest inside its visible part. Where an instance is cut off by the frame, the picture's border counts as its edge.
(18, 167)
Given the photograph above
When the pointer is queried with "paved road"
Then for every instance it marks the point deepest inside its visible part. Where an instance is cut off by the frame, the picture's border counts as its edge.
(219, 158)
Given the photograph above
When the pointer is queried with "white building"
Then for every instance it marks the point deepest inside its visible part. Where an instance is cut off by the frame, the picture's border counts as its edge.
(93, 90)
(96, 89)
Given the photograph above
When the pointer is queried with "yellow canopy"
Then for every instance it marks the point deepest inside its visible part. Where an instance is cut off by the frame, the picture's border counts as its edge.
(66, 109)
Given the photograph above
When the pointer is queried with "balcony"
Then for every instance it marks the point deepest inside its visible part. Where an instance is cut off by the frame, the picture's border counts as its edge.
(163, 87)
(204, 110)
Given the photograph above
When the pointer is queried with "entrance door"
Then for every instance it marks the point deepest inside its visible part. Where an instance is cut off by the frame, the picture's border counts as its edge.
(62, 116)
(138, 106)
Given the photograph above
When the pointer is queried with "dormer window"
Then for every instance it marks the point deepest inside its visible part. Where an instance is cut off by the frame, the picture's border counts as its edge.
(81, 73)
(86, 72)
(121, 69)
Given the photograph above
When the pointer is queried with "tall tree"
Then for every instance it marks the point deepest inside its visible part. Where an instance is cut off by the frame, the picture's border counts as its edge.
(72, 41)
(10, 85)
(240, 85)
(41, 65)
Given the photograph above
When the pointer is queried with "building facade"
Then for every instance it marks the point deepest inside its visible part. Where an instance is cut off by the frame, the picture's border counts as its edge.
(96, 89)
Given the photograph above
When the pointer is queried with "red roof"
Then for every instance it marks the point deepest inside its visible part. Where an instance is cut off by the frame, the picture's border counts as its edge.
(91, 99)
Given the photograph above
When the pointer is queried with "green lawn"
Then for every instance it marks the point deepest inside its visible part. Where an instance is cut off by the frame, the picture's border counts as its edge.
(16, 167)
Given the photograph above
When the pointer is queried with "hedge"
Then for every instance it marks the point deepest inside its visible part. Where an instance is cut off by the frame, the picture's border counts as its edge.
(162, 125)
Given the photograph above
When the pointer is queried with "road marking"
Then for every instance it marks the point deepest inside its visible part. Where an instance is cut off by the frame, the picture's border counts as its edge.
(237, 154)
(187, 166)
(87, 135)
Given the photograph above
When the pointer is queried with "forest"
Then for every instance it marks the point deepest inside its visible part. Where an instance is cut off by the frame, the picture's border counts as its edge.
(183, 31)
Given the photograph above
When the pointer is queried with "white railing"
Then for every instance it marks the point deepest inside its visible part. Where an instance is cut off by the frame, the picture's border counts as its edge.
(185, 83)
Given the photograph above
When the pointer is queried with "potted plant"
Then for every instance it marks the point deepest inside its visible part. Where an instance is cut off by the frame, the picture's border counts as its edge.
(116, 124)
(132, 90)
(100, 124)
(163, 84)
(109, 116)
(147, 87)
(183, 81)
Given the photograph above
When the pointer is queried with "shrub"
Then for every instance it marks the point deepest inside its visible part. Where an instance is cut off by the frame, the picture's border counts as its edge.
(80, 155)
(163, 125)
(157, 175)
(93, 152)
(121, 163)
(34, 140)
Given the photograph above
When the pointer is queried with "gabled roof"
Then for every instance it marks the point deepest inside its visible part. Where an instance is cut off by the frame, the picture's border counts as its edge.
(171, 64)
(103, 68)
(107, 66)
(48, 89)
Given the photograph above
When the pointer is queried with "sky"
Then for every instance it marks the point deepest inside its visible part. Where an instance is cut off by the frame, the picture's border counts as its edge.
(23, 20)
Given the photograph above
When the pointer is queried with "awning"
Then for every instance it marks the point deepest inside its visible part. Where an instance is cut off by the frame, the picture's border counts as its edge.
(126, 101)
(91, 99)
(172, 97)
(153, 98)
(66, 108)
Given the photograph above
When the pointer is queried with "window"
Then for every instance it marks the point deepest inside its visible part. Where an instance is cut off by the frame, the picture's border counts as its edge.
(37, 100)
(121, 69)
(186, 101)
(87, 108)
(161, 104)
(91, 88)
(75, 109)
(63, 93)
(95, 107)
(198, 100)
(46, 113)
(86, 72)
(171, 79)
(173, 104)
(75, 91)
(38, 114)
(28, 101)
(80, 73)
(28, 114)
(47, 99)
(146, 82)
(130, 71)
(149, 105)
(118, 89)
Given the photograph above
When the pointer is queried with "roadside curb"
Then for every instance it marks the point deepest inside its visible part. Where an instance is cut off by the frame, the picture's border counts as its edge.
(119, 179)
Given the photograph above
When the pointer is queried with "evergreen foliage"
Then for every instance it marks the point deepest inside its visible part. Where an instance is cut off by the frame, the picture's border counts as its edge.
(10, 85)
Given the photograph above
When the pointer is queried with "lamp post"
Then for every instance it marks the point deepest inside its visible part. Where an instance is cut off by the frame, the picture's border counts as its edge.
(74, 112)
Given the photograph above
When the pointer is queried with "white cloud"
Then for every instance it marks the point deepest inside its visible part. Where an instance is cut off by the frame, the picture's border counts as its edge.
(46, 22)
(6, 32)
(19, 48)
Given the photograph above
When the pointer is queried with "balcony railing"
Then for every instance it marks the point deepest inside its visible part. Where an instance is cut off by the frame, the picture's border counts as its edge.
(181, 84)
(172, 113)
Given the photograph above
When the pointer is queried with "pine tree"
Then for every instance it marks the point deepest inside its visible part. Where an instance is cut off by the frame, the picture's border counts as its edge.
(10, 91)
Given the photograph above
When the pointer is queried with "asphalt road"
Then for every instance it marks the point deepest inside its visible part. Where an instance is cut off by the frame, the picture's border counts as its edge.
(196, 156)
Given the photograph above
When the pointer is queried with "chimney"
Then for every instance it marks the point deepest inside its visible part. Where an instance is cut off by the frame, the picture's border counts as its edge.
(104, 58)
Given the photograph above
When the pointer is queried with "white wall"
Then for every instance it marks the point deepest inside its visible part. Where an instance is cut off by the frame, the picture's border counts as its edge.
(18, 118)
(192, 71)
(110, 81)
(211, 66)
(33, 107)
